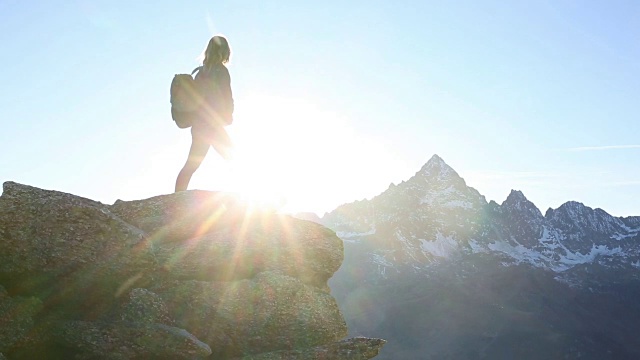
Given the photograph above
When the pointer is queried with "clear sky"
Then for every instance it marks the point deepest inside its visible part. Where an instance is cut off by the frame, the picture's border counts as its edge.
(335, 100)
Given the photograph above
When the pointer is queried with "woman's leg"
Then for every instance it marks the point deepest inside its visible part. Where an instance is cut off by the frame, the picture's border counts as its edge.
(198, 151)
(221, 142)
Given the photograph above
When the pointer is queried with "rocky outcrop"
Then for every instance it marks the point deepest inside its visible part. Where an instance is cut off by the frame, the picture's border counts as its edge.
(190, 275)
(240, 313)
(351, 349)
(16, 318)
(119, 340)
(218, 238)
(55, 245)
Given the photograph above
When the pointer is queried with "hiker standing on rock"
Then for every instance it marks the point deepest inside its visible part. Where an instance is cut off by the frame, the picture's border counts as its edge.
(207, 130)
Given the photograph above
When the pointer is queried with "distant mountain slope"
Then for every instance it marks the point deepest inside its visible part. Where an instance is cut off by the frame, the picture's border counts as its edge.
(431, 253)
(435, 214)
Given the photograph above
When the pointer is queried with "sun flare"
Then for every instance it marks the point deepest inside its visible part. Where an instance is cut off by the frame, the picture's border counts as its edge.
(277, 142)
(294, 156)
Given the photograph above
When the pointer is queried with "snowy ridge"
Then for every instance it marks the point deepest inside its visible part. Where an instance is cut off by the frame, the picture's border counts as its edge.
(435, 215)
(583, 218)
(552, 259)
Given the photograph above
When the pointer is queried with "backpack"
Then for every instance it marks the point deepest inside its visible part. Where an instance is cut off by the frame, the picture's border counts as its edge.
(185, 99)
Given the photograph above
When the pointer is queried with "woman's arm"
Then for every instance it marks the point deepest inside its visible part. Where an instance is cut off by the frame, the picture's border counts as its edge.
(226, 96)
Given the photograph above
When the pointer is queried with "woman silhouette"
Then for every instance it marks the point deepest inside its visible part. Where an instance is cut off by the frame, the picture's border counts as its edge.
(207, 130)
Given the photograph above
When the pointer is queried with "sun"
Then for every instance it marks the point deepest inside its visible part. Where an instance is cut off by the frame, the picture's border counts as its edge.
(295, 156)
(280, 150)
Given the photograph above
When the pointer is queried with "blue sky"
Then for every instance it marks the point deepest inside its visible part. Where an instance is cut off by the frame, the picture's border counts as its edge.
(334, 100)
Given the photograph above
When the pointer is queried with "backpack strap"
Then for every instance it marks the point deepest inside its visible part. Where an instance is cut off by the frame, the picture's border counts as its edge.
(196, 70)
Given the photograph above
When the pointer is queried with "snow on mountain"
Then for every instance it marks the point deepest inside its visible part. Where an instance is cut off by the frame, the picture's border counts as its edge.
(632, 222)
(434, 215)
(437, 184)
(580, 221)
(441, 273)
(417, 220)
(442, 246)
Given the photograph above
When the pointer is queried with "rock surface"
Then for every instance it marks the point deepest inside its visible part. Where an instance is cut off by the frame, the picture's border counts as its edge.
(16, 317)
(191, 275)
(210, 231)
(245, 310)
(66, 249)
(358, 348)
(122, 340)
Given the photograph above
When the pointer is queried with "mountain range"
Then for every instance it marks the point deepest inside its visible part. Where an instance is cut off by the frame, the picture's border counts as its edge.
(442, 273)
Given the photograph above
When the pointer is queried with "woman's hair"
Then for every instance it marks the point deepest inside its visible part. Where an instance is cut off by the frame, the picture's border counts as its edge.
(217, 52)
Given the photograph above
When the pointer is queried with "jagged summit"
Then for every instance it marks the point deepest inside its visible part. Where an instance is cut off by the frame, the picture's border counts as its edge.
(436, 159)
(515, 196)
(437, 167)
(584, 219)
(433, 235)
(435, 212)
(570, 210)
(517, 201)
(436, 183)
(571, 205)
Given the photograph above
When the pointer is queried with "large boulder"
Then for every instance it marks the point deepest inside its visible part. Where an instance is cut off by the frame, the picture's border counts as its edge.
(190, 275)
(16, 318)
(203, 235)
(358, 348)
(66, 249)
(145, 307)
(124, 340)
(270, 312)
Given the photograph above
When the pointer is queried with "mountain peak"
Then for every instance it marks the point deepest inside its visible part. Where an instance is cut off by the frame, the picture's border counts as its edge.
(579, 217)
(435, 160)
(436, 167)
(517, 201)
(571, 208)
(515, 196)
